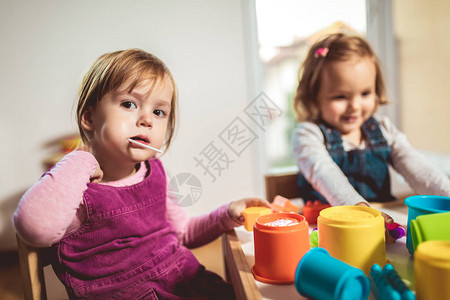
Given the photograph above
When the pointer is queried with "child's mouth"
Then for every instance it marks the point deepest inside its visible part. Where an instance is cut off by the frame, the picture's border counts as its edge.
(141, 139)
(143, 142)
(350, 119)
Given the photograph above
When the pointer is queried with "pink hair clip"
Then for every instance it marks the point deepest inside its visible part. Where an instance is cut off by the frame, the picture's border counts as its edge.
(321, 52)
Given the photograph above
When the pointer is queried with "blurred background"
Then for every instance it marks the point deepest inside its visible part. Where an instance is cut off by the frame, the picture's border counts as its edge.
(236, 66)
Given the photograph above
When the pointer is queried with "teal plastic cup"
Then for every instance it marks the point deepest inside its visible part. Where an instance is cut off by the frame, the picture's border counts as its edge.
(432, 227)
(321, 276)
(423, 205)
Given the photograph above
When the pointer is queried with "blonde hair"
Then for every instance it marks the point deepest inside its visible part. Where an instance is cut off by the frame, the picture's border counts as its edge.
(340, 47)
(111, 70)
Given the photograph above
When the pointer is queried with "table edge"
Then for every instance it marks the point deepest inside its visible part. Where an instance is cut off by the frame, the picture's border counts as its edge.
(237, 269)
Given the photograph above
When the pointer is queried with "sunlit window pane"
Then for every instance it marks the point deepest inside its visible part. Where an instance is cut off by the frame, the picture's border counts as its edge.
(286, 30)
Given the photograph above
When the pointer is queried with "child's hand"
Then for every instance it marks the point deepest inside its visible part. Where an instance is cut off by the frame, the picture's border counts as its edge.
(98, 175)
(387, 219)
(235, 208)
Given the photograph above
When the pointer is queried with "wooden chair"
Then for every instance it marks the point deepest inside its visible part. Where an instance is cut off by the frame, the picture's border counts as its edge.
(282, 184)
(33, 260)
(32, 263)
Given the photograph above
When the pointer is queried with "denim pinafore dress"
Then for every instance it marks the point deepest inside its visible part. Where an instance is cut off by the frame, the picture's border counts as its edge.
(366, 169)
(127, 248)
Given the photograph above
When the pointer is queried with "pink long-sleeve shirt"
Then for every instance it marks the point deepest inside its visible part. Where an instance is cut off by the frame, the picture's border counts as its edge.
(53, 207)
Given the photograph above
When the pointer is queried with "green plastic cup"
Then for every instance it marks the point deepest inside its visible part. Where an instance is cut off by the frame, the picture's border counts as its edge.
(433, 227)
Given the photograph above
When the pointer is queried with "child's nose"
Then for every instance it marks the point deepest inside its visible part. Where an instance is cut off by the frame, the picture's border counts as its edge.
(146, 120)
(355, 103)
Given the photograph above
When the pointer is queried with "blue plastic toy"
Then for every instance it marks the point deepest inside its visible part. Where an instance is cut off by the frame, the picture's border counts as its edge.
(387, 284)
(323, 277)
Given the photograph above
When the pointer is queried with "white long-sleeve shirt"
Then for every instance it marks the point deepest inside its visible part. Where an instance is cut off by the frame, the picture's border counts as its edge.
(317, 166)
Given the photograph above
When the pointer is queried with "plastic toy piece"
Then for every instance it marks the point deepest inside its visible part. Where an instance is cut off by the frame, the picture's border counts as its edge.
(381, 288)
(395, 280)
(430, 227)
(281, 204)
(321, 276)
(252, 213)
(387, 284)
(314, 238)
(312, 209)
(432, 269)
(419, 205)
(396, 230)
(278, 249)
(353, 234)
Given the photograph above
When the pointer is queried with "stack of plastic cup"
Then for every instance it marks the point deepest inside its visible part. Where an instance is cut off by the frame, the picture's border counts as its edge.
(278, 249)
(432, 270)
(321, 276)
(423, 205)
(353, 234)
(432, 227)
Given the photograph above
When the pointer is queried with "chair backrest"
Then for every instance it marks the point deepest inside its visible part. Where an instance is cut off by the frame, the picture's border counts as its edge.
(32, 263)
(282, 184)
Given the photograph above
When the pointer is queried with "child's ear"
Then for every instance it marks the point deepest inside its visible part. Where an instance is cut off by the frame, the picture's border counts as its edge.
(86, 120)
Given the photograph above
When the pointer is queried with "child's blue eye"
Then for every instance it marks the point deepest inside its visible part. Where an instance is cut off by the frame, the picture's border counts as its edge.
(159, 113)
(129, 105)
(366, 93)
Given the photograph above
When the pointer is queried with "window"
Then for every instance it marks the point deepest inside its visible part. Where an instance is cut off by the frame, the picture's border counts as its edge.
(286, 30)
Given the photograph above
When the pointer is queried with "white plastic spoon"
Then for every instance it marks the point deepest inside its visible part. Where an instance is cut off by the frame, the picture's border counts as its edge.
(144, 145)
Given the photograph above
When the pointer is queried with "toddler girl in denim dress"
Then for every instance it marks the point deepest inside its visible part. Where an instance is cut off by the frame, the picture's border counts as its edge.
(341, 148)
(106, 211)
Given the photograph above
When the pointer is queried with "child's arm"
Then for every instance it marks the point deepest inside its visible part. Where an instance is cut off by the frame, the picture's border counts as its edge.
(197, 231)
(421, 175)
(319, 168)
(47, 210)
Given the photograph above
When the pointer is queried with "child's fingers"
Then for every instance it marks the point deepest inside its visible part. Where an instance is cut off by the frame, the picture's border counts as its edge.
(259, 202)
(249, 202)
(235, 208)
(238, 218)
(387, 218)
(388, 237)
(241, 219)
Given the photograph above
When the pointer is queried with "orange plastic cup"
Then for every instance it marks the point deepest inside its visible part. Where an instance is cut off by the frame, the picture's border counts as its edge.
(278, 249)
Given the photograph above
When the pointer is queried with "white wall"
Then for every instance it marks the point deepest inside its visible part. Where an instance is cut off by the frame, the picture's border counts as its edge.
(46, 46)
(424, 62)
